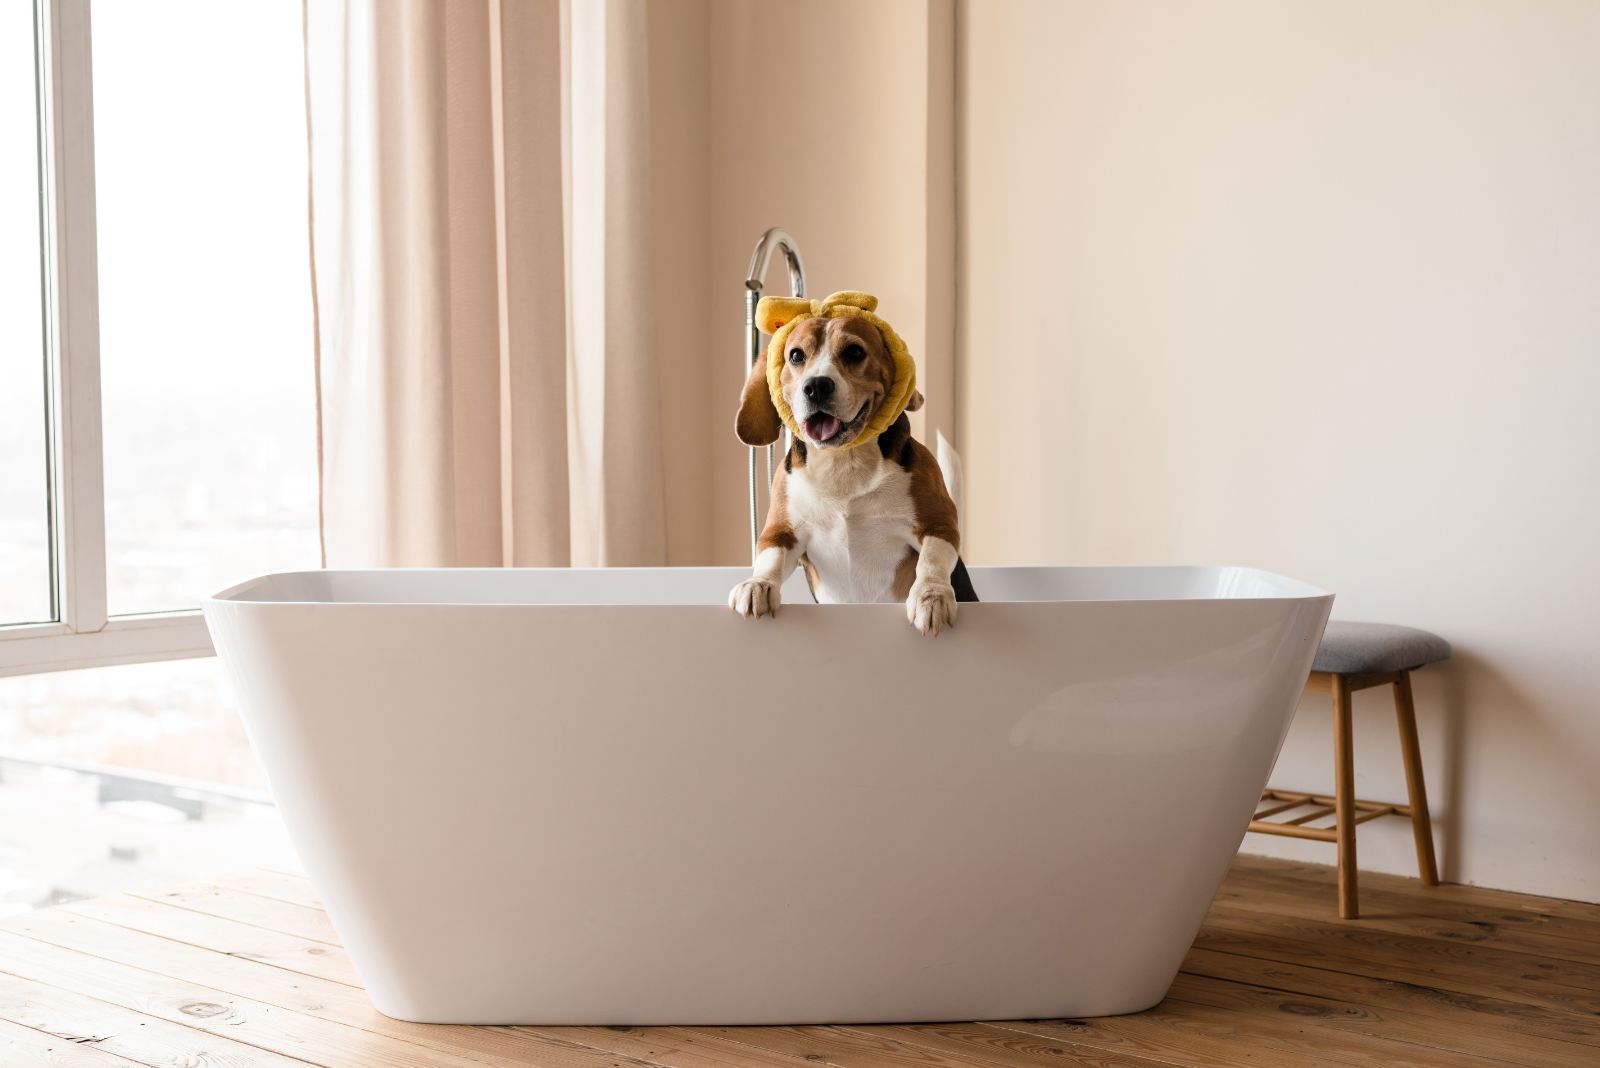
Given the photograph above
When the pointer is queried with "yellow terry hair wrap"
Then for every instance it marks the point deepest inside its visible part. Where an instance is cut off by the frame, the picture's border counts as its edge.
(778, 315)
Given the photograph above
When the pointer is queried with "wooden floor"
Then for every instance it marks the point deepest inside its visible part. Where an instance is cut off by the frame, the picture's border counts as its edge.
(248, 973)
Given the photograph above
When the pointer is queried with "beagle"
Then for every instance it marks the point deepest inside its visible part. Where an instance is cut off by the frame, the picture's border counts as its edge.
(858, 503)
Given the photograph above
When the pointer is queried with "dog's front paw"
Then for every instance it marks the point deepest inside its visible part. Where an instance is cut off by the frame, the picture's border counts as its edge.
(754, 598)
(931, 606)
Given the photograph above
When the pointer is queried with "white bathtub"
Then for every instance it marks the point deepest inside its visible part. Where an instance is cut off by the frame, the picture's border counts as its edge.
(599, 797)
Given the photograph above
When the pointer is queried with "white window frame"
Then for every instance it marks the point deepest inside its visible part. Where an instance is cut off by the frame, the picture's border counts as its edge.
(83, 635)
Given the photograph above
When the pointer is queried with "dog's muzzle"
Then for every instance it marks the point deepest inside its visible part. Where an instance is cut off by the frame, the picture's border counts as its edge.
(825, 428)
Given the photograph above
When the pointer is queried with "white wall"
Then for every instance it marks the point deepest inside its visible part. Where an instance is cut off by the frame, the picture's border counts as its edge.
(1314, 287)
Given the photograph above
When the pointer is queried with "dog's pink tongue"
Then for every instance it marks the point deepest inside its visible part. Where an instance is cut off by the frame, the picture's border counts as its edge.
(822, 427)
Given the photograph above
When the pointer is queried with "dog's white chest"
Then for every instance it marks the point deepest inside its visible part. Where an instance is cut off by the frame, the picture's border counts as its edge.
(856, 536)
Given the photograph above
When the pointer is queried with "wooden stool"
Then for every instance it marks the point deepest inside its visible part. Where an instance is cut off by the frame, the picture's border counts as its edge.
(1356, 656)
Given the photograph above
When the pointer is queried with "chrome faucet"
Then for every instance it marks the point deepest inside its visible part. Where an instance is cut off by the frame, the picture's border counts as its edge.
(774, 240)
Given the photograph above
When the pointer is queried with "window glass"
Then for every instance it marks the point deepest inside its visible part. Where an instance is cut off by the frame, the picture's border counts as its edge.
(173, 718)
(24, 496)
(208, 392)
(127, 777)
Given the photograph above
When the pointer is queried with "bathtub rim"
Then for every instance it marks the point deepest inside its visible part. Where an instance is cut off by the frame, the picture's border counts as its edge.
(1289, 589)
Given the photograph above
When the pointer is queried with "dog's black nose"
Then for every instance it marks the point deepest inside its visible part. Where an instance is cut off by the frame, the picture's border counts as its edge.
(818, 389)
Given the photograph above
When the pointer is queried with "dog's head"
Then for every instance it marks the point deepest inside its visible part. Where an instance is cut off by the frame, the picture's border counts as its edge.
(835, 373)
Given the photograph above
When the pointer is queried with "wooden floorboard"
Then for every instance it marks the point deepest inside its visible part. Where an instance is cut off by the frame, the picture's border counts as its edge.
(267, 913)
(1421, 916)
(248, 973)
(129, 1034)
(28, 1046)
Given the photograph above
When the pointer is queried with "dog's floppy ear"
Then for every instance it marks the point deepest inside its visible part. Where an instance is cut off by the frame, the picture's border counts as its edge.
(915, 403)
(758, 422)
(772, 313)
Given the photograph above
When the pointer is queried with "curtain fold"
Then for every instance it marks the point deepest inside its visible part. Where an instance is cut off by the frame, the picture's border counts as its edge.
(479, 215)
(616, 462)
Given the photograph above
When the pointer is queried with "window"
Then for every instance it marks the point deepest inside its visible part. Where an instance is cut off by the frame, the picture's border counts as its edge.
(157, 405)
(205, 304)
(171, 719)
(157, 424)
(25, 579)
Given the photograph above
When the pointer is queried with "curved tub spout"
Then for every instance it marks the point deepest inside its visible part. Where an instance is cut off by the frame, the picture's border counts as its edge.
(774, 240)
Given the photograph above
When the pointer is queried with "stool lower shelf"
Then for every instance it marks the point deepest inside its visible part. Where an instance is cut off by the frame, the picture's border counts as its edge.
(1322, 806)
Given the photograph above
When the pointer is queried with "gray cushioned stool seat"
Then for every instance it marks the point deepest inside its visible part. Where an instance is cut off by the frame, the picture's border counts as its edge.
(1371, 648)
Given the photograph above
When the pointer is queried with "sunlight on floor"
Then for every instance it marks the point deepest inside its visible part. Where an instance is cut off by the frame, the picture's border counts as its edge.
(67, 834)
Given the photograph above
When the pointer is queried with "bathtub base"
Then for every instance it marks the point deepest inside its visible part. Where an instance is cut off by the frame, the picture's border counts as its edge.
(1056, 1011)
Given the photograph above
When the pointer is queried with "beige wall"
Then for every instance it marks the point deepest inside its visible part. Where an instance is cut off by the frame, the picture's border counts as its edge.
(680, 213)
(1313, 287)
(773, 115)
(820, 123)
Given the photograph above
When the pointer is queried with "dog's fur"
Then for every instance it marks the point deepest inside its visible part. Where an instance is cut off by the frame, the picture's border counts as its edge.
(871, 523)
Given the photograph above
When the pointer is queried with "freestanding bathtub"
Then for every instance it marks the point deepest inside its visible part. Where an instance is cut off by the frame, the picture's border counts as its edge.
(599, 797)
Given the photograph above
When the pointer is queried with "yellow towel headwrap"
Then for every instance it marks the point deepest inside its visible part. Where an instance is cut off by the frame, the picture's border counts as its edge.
(778, 315)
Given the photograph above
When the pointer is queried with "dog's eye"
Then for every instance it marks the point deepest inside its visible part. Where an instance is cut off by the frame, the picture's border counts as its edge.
(853, 354)
(796, 356)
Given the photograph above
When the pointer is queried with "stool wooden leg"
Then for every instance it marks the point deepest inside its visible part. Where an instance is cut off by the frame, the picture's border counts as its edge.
(1416, 789)
(1344, 796)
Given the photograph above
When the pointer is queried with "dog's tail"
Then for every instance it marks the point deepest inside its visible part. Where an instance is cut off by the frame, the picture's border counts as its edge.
(950, 468)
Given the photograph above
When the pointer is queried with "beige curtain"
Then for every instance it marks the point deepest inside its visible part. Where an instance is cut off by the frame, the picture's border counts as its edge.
(479, 217)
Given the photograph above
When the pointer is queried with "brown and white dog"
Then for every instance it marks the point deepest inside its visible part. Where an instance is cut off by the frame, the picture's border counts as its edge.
(873, 523)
